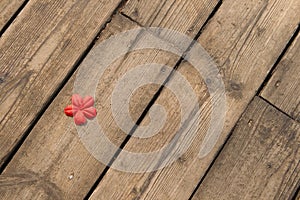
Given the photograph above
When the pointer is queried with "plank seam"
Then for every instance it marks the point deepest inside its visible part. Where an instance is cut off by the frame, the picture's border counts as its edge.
(271, 104)
(283, 53)
(15, 149)
(13, 17)
(130, 18)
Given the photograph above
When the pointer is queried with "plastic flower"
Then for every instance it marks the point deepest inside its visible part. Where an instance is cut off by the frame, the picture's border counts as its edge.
(81, 109)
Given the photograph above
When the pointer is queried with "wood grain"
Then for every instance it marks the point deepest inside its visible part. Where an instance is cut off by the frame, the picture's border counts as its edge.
(185, 16)
(245, 39)
(283, 89)
(36, 54)
(7, 10)
(28, 186)
(259, 161)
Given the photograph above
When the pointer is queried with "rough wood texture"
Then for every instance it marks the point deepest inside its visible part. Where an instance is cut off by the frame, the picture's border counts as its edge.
(259, 161)
(186, 16)
(27, 186)
(283, 89)
(245, 38)
(36, 53)
(7, 10)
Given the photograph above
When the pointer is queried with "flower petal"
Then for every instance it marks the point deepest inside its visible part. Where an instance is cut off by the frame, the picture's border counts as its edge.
(88, 101)
(79, 118)
(69, 111)
(77, 100)
(90, 112)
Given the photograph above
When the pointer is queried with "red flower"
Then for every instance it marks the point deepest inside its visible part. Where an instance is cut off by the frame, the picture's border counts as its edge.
(81, 109)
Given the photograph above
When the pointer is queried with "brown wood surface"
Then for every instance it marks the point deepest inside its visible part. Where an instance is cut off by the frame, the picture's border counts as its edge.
(185, 16)
(259, 161)
(283, 89)
(27, 186)
(53, 150)
(36, 53)
(245, 39)
(8, 9)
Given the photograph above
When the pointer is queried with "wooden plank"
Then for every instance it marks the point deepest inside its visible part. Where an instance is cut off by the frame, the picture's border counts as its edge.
(283, 89)
(37, 52)
(7, 10)
(245, 38)
(55, 138)
(260, 160)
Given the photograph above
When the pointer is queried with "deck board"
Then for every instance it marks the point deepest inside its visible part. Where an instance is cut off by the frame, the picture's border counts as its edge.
(8, 9)
(260, 160)
(241, 38)
(283, 89)
(37, 52)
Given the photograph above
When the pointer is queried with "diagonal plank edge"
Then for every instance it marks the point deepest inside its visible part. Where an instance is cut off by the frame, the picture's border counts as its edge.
(8, 9)
(245, 40)
(283, 89)
(259, 161)
(37, 52)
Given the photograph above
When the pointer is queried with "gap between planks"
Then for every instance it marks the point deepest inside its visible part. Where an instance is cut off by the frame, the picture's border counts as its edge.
(9, 15)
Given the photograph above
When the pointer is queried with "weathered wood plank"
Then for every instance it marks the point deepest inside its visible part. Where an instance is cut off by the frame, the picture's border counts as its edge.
(283, 89)
(7, 10)
(260, 160)
(245, 38)
(36, 54)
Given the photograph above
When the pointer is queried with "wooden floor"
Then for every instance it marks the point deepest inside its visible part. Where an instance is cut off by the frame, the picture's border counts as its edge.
(256, 47)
